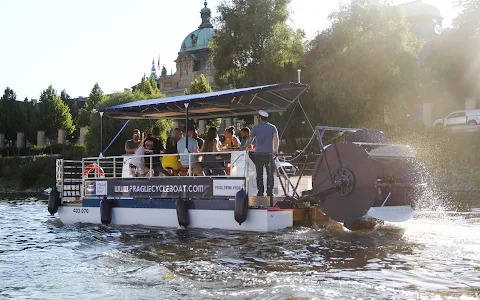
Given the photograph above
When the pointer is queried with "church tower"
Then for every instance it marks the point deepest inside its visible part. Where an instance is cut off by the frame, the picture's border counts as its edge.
(154, 70)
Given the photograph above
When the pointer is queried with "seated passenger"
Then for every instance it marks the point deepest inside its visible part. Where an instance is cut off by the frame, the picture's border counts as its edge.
(244, 134)
(172, 161)
(138, 161)
(186, 159)
(231, 140)
(199, 139)
(212, 144)
(154, 146)
(131, 147)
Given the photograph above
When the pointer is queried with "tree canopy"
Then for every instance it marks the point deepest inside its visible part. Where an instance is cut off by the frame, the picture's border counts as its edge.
(364, 65)
(454, 70)
(253, 43)
(12, 115)
(198, 86)
(112, 126)
(54, 113)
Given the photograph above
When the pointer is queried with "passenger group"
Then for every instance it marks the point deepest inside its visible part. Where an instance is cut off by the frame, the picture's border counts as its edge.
(207, 158)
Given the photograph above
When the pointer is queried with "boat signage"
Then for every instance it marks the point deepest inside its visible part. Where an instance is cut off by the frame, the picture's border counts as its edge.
(227, 187)
(165, 187)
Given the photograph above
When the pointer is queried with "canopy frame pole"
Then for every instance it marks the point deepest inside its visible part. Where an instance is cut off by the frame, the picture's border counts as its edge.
(186, 139)
(288, 120)
(118, 133)
(101, 134)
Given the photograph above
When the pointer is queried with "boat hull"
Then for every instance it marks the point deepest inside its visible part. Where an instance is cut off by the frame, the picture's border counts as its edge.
(261, 220)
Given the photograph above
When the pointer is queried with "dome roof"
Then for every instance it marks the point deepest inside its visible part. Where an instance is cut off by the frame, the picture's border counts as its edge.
(198, 39)
(417, 8)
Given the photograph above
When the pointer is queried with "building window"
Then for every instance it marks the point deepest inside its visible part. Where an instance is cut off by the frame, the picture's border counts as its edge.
(196, 65)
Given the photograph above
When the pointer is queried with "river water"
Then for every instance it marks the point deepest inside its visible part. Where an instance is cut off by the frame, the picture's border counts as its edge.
(436, 255)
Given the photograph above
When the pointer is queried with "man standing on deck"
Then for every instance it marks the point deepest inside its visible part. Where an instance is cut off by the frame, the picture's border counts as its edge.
(267, 145)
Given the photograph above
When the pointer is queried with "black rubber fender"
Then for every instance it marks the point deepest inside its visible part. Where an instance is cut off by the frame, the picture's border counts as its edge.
(182, 212)
(241, 206)
(54, 201)
(106, 206)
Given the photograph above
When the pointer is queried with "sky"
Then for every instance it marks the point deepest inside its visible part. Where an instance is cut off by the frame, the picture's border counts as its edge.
(73, 44)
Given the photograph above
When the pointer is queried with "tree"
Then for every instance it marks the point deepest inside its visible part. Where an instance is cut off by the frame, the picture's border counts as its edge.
(12, 115)
(111, 126)
(96, 96)
(54, 113)
(32, 119)
(454, 70)
(253, 43)
(148, 87)
(94, 99)
(199, 86)
(71, 103)
(363, 66)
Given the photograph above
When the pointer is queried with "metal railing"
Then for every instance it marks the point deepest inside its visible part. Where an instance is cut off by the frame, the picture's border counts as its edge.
(151, 165)
(69, 179)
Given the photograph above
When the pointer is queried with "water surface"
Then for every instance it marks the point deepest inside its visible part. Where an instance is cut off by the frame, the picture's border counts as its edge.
(436, 255)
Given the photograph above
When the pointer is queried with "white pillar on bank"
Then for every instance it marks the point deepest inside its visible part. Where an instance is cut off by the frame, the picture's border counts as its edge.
(20, 140)
(2, 140)
(228, 122)
(428, 114)
(61, 137)
(201, 126)
(83, 133)
(255, 120)
(40, 138)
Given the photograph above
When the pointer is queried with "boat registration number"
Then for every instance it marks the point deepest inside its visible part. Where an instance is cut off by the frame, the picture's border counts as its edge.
(80, 210)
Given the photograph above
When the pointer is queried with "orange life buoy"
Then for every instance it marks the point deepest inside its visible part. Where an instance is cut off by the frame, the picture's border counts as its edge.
(95, 168)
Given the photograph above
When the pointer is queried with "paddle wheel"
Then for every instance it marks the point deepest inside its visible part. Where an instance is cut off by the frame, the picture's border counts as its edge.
(364, 177)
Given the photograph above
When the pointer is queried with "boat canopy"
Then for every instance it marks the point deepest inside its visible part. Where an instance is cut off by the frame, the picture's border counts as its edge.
(237, 102)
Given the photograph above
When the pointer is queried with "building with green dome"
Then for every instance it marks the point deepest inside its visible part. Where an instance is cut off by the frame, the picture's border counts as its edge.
(193, 59)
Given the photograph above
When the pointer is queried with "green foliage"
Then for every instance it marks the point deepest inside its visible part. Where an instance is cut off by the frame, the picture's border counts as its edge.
(28, 172)
(74, 105)
(54, 113)
(96, 96)
(12, 115)
(148, 88)
(31, 118)
(213, 123)
(94, 99)
(198, 86)
(111, 126)
(453, 71)
(364, 65)
(447, 156)
(253, 44)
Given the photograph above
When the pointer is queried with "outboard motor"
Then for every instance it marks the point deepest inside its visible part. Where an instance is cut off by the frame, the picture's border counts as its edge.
(241, 206)
(182, 212)
(106, 206)
(54, 201)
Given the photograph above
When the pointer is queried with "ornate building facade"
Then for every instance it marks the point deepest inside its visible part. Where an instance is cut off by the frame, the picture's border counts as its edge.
(193, 59)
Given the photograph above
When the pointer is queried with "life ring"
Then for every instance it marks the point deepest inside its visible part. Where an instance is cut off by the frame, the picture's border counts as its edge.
(95, 168)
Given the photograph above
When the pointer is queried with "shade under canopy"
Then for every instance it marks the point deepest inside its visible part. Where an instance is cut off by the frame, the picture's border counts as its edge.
(237, 102)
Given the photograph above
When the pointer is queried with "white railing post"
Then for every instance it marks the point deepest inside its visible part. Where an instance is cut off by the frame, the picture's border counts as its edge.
(189, 163)
(151, 166)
